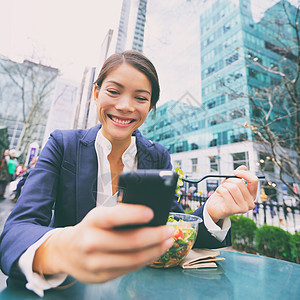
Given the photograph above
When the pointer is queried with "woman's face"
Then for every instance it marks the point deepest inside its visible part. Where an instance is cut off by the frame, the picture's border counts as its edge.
(123, 102)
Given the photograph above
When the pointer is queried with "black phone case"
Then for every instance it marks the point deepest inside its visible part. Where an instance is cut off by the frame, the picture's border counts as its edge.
(153, 188)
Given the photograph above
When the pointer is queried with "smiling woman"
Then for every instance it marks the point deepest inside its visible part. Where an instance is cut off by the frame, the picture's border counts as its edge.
(125, 91)
(77, 174)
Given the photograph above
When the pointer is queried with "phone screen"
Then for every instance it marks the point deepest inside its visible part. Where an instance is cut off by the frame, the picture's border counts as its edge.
(153, 188)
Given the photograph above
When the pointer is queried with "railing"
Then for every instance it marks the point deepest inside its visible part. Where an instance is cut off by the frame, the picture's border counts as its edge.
(277, 214)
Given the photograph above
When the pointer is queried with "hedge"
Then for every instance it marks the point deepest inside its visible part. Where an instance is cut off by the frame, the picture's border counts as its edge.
(267, 240)
(295, 247)
(243, 233)
(274, 242)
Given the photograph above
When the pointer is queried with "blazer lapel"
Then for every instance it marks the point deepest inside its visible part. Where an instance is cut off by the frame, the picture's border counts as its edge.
(87, 174)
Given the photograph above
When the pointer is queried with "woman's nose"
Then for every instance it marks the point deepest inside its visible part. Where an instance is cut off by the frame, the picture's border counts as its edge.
(125, 103)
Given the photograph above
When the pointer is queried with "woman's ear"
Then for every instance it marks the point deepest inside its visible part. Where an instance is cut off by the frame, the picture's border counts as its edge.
(96, 93)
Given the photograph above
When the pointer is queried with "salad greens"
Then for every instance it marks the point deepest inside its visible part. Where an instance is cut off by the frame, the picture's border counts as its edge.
(184, 238)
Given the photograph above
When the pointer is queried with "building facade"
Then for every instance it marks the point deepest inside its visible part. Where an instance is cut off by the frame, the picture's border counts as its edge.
(25, 96)
(123, 26)
(139, 30)
(132, 25)
(214, 134)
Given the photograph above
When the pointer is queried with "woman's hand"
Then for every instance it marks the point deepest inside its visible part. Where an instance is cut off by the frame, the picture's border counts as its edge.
(93, 251)
(233, 196)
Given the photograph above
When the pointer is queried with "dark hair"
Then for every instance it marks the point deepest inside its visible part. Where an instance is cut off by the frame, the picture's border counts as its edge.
(139, 62)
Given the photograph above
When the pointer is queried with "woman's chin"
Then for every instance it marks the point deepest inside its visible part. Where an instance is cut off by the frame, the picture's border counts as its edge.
(121, 136)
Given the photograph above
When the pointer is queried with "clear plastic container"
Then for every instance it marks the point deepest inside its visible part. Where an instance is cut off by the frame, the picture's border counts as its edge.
(186, 229)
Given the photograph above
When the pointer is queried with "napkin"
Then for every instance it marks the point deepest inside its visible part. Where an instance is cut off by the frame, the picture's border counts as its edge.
(201, 258)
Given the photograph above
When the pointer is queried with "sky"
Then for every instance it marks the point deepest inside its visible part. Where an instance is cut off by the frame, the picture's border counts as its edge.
(68, 34)
(172, 43)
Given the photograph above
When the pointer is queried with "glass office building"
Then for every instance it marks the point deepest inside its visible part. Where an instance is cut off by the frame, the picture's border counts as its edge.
(132, 26)
(211, 134)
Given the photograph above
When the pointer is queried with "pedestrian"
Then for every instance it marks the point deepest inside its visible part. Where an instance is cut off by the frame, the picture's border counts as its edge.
(272, 212)
(19, 170)
(255, 210)
(285, 210)
(12, 164)
(4, 175)
(65, 218)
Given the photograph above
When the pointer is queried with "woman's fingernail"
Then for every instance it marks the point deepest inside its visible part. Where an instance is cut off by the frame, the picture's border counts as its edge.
(169, 243)
(170, 231)
(148, 213)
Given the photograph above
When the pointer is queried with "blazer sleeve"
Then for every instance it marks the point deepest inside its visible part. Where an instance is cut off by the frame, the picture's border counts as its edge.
(31, 217)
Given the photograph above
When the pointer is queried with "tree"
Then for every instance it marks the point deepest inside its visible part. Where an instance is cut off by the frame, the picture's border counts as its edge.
(30, 85)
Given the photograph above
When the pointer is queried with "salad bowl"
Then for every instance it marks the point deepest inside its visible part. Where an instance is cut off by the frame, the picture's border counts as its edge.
(186, 229)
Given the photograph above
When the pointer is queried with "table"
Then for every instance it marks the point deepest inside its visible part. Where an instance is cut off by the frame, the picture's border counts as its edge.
(240, 276)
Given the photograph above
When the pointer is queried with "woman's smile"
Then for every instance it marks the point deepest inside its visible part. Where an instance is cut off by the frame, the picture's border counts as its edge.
(120, 121)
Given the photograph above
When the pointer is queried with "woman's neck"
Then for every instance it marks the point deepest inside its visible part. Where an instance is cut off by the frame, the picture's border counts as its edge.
(116, 163)
(118, 148)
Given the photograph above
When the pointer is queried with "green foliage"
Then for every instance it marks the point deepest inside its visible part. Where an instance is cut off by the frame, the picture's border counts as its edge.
(267, 240)
(188, 211)
(243, 233)
(179, 181)
(295, 247)
(273, 241)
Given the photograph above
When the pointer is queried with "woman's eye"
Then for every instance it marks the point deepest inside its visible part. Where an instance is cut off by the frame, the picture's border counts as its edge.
(113, 92)
(142, 98)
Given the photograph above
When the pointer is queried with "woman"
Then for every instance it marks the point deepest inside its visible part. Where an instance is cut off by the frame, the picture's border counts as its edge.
(12, 164)
(78, 171)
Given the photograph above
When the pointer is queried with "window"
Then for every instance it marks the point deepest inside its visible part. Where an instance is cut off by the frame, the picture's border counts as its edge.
(213, 122)
(235, 138)
(194, 165)
(253, 73)
(232, 59)
(226, 27)
(214, 164)
(194, 146)
(211, 104)
(240, 158)
(275, 81)
(213, 143)
(280, 51)
(234, 96)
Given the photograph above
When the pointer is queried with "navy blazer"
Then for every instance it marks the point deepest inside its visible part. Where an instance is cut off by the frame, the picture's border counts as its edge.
(62, 189)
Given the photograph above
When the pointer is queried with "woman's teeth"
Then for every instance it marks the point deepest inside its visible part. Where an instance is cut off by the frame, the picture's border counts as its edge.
(120, 121)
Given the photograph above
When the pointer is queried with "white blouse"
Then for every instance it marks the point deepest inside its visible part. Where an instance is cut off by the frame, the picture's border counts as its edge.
(104, 182)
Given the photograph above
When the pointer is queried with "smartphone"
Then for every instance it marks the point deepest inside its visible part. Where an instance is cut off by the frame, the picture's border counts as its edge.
(153, 188)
